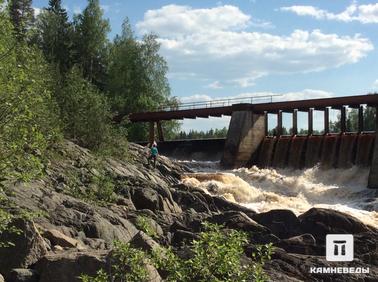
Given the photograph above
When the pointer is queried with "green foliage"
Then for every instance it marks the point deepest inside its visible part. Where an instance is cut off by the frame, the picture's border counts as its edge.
(9, 214)
(28, 120)
(87, 118)
(55, 35)
(142, 223)
(91, 43)
(101, 276)
(215, 256)
(128, 264)
(102, 189)
(6, 220)
(194, 134)
(97, 189)
(22, 16)
(137, 79)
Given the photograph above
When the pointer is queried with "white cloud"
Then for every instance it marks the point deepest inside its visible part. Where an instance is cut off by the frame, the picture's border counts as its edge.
(77, 10)
(375, 84)
(105, 8)
(37, 11)
(362, 13)
(264, 96)
(215, 85)
(174, 20)
(215, 44)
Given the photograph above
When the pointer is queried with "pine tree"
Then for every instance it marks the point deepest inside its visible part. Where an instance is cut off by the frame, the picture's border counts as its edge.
(91, 42)
(22, 16)
(56, 35)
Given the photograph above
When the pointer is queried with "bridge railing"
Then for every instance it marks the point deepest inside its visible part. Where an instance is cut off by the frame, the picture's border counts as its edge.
(218, 103)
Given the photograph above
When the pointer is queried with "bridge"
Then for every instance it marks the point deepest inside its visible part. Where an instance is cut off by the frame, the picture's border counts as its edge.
(248, 143)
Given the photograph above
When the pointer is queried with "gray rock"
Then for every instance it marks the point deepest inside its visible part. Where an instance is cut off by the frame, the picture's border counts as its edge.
(282, 223)
(68, 266)
(144, 242)
(239, 221)
(23, 275)
(320, 222)
(29, 248)
(58, 238)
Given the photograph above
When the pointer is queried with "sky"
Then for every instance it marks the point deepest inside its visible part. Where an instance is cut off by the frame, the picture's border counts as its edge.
(240, 48)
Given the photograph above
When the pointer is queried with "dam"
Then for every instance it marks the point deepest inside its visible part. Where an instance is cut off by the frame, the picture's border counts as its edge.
(248, 142)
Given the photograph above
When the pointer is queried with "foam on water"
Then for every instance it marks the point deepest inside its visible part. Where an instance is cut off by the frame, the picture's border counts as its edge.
(299, 190)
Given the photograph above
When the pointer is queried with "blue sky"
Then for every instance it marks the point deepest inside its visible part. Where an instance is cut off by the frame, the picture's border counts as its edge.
(214, 49)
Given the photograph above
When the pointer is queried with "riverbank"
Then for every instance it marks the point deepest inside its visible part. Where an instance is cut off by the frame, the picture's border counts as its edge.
(85, 204)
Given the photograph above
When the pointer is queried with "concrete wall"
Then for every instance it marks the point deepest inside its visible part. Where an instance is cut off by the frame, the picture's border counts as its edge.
(330, 151)
(198, 150)
(373, 175)
(245, 133)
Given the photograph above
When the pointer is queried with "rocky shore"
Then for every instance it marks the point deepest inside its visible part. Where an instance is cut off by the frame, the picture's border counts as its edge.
(72, 235)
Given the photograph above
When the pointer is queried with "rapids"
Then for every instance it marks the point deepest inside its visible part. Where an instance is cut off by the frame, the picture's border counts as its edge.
(298, 190)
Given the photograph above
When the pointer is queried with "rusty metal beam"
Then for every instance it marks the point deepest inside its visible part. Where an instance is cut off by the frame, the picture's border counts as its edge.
(339, 102)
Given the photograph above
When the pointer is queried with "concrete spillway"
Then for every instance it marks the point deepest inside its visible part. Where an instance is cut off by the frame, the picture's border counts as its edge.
(329, 151)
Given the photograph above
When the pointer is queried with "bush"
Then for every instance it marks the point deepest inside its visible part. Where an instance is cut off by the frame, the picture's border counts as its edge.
(28, 120)
(87, 117)
(128, 264)
(143, 224)
(216, 256)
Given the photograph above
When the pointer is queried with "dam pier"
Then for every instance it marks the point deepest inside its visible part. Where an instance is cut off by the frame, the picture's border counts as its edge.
(249, 143)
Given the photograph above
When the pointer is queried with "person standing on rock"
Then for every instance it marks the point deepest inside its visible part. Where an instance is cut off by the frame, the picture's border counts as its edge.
(153, 154)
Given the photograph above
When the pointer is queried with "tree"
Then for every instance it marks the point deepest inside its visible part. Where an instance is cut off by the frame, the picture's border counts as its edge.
(137, 79)
(85, 111)
(91, 43)
(55, 35)
(22, 16)
(28, 123)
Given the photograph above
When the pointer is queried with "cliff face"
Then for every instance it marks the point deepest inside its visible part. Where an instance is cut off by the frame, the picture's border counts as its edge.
(77, 227)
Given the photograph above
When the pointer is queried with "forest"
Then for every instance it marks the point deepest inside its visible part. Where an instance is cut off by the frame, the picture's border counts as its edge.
(64, 78)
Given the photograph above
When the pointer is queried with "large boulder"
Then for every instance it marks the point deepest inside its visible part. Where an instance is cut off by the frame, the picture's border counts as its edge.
(68, 266)
(58, 238)
(28, 248)
(282, 223)
(320, 222)
(23, 275)
(239, 221)
(109, 228)
(302, 244)
(157, 199)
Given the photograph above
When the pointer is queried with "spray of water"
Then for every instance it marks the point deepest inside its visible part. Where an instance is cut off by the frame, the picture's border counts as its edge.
(299, 190)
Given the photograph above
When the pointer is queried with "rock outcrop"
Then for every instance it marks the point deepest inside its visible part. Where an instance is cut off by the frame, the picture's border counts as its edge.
(74, 235)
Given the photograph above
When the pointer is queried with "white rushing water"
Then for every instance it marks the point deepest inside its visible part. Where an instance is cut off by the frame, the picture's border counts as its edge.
(298, 190)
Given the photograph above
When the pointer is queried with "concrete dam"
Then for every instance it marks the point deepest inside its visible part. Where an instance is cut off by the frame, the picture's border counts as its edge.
(248, 142)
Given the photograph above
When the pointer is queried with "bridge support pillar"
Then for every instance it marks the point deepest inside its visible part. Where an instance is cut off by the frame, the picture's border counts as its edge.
(151, 137)
(245, 133)
(373, 175)
(160, 131)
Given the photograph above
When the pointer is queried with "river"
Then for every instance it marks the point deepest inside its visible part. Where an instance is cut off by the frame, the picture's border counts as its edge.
(298, 190)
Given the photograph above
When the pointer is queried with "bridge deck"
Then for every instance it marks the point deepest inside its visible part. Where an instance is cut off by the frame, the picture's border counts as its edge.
(272, 107)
